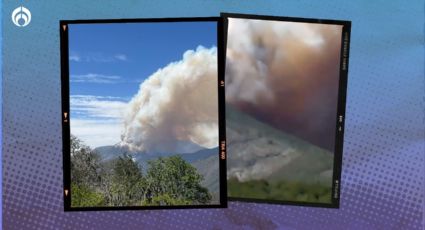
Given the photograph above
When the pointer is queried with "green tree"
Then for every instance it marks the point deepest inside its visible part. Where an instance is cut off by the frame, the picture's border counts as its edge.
(176, 181)
(85, 175)
(127, 182)
(85, 164)
(120, 182)
(83, 196)
(168, 200)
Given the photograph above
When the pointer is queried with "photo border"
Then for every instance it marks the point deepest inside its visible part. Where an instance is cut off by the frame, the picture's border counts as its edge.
(65, 119)
(341, 104)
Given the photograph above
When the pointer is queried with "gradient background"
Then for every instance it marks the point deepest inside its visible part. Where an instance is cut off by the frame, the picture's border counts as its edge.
(383, 163)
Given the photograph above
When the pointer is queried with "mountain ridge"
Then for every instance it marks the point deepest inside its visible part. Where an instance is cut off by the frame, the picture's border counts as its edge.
(258, 151)
(206, 161)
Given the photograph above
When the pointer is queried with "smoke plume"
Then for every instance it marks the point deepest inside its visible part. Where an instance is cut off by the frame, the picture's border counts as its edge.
(285, 74)
(176, 108)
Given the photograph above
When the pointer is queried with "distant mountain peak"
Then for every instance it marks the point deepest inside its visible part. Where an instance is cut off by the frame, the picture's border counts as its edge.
(165, 147)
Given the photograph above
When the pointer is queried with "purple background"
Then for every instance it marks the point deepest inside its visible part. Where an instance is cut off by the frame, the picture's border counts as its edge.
(383, 164)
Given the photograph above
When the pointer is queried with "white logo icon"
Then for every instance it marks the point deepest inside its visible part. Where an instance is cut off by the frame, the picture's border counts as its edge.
(21, 16)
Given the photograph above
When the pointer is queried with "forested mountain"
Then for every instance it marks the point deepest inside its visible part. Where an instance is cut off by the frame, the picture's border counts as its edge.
(271, 161)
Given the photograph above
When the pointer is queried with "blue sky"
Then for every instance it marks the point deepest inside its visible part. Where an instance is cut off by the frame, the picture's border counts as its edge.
(109, 61)
(131, 51)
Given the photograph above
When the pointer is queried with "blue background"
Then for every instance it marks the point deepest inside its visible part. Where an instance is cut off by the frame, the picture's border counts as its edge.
(383, 163)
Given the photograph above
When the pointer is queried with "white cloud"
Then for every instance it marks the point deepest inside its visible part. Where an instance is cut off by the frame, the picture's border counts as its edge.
(95, 133)
(98, 107)
(98, 120)
(95, 78)
(121, 57)
(74, 57)
(96, 57)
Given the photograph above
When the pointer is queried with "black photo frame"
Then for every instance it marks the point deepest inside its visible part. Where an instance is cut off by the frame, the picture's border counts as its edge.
(66, 119)
(342, 92)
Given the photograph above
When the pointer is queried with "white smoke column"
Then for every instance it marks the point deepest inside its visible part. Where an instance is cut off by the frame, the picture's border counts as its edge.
(175, 106)
(285, 74)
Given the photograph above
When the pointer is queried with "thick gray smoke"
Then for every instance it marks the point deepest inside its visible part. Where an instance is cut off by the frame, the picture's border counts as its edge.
(286, 74)
(176, 108)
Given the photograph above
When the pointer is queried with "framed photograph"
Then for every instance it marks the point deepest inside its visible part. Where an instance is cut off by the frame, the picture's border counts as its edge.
(286, 82)
(143, 114)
